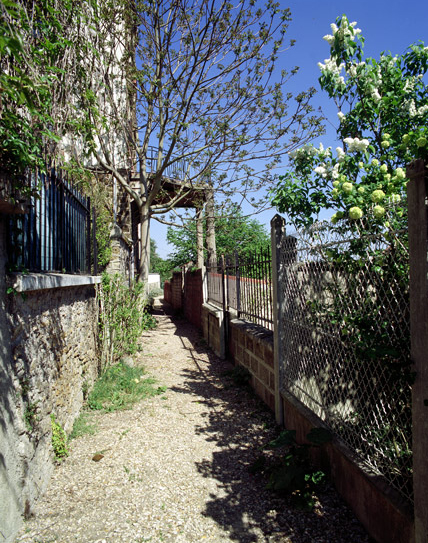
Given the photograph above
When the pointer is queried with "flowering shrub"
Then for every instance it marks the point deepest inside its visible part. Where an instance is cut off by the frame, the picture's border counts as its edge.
(383, 124)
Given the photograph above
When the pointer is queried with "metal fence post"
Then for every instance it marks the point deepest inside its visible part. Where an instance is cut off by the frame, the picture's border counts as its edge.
(277, 233)
(238, 285)
(418, 237)
(94, 241)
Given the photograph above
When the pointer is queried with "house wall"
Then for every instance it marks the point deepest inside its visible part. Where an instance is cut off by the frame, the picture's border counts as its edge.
(48, 360)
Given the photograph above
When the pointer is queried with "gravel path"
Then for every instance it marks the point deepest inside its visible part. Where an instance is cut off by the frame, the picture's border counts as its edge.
(175, 468)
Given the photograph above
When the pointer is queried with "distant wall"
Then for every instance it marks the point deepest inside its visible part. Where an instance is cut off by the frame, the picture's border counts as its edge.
(48, 360)
(193, 297)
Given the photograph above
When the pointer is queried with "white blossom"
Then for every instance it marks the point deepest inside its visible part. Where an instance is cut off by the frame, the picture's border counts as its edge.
(340, 153)
(376, 96)
(322, 170)
(329, 39)
(352, 71)
(341, 115)
(422, 110)
(331, 66)
(355, 144)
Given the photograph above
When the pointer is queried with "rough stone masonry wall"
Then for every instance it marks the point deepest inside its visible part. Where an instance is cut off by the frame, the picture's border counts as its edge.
(251, 346)
(48, 360)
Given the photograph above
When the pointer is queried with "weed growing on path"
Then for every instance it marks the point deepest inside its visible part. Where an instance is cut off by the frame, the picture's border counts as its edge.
(83, 425)
(59, 440)
(120, 387)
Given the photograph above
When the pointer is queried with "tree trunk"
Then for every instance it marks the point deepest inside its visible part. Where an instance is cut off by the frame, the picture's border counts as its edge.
(211, 244)
(199, 239)
(144, 243)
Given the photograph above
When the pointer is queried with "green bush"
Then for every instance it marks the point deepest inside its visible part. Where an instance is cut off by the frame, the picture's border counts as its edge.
(122, 318)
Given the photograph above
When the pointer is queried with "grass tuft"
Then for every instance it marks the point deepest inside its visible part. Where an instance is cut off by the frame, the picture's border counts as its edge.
(83, 425)
(120, 387)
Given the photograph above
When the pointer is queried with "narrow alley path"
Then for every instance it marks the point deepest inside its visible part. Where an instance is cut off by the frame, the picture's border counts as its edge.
(175, 468)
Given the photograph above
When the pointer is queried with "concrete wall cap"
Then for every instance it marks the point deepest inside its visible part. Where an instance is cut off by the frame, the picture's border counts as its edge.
(41, 281)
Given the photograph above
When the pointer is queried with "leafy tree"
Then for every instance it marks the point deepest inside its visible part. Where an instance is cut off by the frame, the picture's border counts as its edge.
(212, 111)
(235, 233)
(158, 264)
(383, 124)
(41, 49)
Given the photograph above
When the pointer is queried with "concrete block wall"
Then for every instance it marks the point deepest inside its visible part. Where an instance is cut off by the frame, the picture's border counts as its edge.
(212, 327)
(251, 346)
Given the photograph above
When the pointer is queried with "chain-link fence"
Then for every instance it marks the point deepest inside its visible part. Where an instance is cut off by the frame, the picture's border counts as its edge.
(345, 337)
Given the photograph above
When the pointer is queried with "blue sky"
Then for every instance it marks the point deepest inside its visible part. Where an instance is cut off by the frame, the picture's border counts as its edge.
(387, 25)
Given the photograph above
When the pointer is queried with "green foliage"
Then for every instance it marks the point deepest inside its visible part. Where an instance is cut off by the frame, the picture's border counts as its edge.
(292, 474)
(235, 233)
(30, 416)
(104, 250)
(122, 318)
(383, 116)
(240, 375)
(120, 387)
(37, 45)
(59, 440)
(83, 425)
(158, 264)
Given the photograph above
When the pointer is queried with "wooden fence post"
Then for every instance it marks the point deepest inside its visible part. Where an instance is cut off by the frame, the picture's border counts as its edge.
(277, 232)
(418, 238)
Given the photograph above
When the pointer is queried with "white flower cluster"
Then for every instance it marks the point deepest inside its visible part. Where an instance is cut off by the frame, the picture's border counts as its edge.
(345, 31)
(306, 151)
(340, 153)
(355, 144)
(325, 171)
(422, 110)
(331, 66)
(376, 96)
(409, 107)
(322, 170)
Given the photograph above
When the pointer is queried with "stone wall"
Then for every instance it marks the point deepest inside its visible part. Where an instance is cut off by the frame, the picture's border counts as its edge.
(251, 346)
(48, 348)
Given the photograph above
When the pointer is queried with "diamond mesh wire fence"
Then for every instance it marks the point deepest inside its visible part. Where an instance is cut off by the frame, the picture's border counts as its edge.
(345, 335)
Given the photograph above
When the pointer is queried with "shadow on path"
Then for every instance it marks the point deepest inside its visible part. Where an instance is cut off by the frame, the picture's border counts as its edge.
(239, 424)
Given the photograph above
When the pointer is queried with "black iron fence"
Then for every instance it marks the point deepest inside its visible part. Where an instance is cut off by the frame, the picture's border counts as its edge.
(58, 232)
(177, 170)
(243, 284)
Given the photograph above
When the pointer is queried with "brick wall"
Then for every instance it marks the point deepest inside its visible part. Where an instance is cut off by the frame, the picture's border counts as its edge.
(251, 346)
(176, 291)
(193, 297)
(167, 292)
